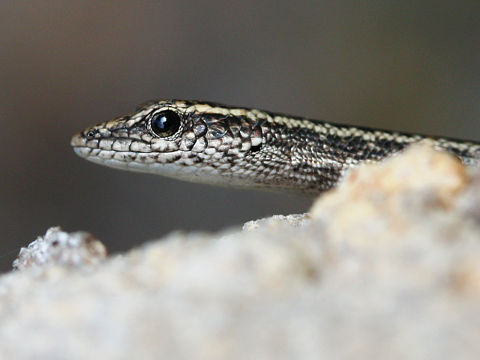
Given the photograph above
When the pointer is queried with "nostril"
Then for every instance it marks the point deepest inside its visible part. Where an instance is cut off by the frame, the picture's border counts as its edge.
(91, 134)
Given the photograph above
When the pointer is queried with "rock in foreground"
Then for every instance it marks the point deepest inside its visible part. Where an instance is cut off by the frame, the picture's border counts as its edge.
(386, 266)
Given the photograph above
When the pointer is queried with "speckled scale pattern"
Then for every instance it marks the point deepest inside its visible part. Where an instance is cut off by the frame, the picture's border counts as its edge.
(250, 148)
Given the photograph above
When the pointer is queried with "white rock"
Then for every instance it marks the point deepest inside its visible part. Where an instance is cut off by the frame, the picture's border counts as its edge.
(387, 267)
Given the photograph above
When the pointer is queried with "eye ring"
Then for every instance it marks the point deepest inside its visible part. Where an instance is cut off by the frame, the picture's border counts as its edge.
(164, 123)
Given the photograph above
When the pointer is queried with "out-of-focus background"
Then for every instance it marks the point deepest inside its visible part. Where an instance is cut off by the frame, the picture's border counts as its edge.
(64, 65)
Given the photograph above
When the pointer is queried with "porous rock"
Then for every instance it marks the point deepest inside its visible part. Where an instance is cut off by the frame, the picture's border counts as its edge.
(385, 266)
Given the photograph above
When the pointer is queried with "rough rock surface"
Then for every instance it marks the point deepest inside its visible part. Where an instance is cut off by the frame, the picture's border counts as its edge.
(60, 248)
(385, 266)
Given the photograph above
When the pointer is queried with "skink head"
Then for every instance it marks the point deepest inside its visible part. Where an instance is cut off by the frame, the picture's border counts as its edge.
(196, 141)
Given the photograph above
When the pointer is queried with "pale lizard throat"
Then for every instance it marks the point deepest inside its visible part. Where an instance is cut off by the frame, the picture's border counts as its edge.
(225, 145)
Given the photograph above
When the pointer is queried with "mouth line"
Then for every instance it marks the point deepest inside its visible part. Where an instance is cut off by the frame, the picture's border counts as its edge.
(79, 148)
(126, 159)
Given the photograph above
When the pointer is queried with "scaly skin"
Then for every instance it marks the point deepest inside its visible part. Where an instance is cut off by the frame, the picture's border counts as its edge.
(248, 148)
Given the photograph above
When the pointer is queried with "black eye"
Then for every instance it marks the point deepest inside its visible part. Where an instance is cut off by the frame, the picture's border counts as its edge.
(165, 123)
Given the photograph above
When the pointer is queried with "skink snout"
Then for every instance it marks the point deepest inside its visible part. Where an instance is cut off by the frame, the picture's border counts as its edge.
(77, 140)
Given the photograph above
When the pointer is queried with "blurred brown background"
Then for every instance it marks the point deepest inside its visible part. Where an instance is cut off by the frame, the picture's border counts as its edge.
(404, 65)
